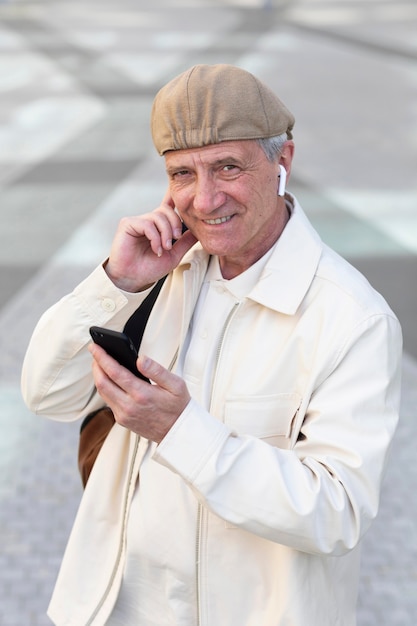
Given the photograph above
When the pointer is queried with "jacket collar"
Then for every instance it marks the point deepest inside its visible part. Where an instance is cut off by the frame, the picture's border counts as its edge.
(290, 269)
(292, 266)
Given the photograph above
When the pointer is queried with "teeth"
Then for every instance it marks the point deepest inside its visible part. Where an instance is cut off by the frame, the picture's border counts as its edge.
(219, 220)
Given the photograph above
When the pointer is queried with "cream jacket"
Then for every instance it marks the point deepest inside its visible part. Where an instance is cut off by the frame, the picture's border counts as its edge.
(286, 468)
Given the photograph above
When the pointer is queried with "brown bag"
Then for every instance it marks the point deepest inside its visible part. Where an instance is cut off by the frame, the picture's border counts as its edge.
(97, 425)
(94, 430)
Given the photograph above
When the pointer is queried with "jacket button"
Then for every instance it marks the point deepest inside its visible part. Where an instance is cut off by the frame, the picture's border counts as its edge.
(108, 304)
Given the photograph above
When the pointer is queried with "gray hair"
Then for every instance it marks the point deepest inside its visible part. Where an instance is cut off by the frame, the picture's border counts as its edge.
(272, 146)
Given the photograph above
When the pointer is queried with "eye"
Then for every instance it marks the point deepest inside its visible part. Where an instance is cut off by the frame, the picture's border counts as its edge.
(229, 171)
(180, 173)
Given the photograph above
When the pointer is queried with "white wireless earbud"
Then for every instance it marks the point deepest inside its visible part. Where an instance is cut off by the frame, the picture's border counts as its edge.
(282, 180)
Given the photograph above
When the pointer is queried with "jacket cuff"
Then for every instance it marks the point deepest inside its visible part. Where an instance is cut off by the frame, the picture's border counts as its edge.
(104, 301)
(195, 437)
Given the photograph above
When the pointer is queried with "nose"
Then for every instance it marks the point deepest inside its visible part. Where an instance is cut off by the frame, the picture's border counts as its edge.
(207, 196)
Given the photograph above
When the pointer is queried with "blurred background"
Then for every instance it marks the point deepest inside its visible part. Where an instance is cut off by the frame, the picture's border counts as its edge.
(77, 80)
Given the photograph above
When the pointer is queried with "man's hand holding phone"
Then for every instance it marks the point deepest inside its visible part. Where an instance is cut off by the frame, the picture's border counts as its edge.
(149, 410)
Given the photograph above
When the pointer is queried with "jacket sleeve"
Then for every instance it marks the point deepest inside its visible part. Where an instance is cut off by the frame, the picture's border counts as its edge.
(320, 496)
(57, 380)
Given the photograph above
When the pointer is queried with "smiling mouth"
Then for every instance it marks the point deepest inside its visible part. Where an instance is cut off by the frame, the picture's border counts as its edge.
(219, 220)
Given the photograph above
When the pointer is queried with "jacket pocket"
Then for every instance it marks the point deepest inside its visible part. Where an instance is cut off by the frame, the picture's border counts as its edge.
(270, 418)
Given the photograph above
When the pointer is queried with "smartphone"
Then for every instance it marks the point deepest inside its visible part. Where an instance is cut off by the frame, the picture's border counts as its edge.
(119, 346)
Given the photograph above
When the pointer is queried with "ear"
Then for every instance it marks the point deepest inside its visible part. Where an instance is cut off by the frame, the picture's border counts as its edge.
(286, 157)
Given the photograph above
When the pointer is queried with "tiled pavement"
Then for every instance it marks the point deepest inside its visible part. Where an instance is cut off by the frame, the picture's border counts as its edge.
(76, 83)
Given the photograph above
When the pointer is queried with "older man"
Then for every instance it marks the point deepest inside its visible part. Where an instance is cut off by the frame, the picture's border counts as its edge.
(235, 489)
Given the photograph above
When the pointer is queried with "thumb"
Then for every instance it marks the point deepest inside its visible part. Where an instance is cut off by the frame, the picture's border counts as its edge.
(171, 389)
(183, 244)
(157, 373)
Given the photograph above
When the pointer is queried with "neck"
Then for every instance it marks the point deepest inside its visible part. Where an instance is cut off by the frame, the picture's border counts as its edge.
(231, 267)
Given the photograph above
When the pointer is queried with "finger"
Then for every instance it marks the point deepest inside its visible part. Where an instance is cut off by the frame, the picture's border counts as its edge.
(182, 245)
(108, 373)
(157, 227)
(104, 385)
(160, 227)
(173, 218)
(160, 375)
(158, 234)
(119, 388)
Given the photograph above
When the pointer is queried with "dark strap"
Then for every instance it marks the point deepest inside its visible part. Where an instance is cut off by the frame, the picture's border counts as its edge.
(135, 325)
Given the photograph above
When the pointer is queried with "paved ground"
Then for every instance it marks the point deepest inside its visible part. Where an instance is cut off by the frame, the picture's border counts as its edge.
(76, 83)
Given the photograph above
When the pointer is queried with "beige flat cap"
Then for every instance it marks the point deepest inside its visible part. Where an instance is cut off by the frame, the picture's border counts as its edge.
(209, 104)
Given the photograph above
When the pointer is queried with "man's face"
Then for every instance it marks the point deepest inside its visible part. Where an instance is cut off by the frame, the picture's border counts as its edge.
(226, 194)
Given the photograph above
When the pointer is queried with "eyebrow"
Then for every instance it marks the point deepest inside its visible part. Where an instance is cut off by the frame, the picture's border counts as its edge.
(227, 161)
(230, 160)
